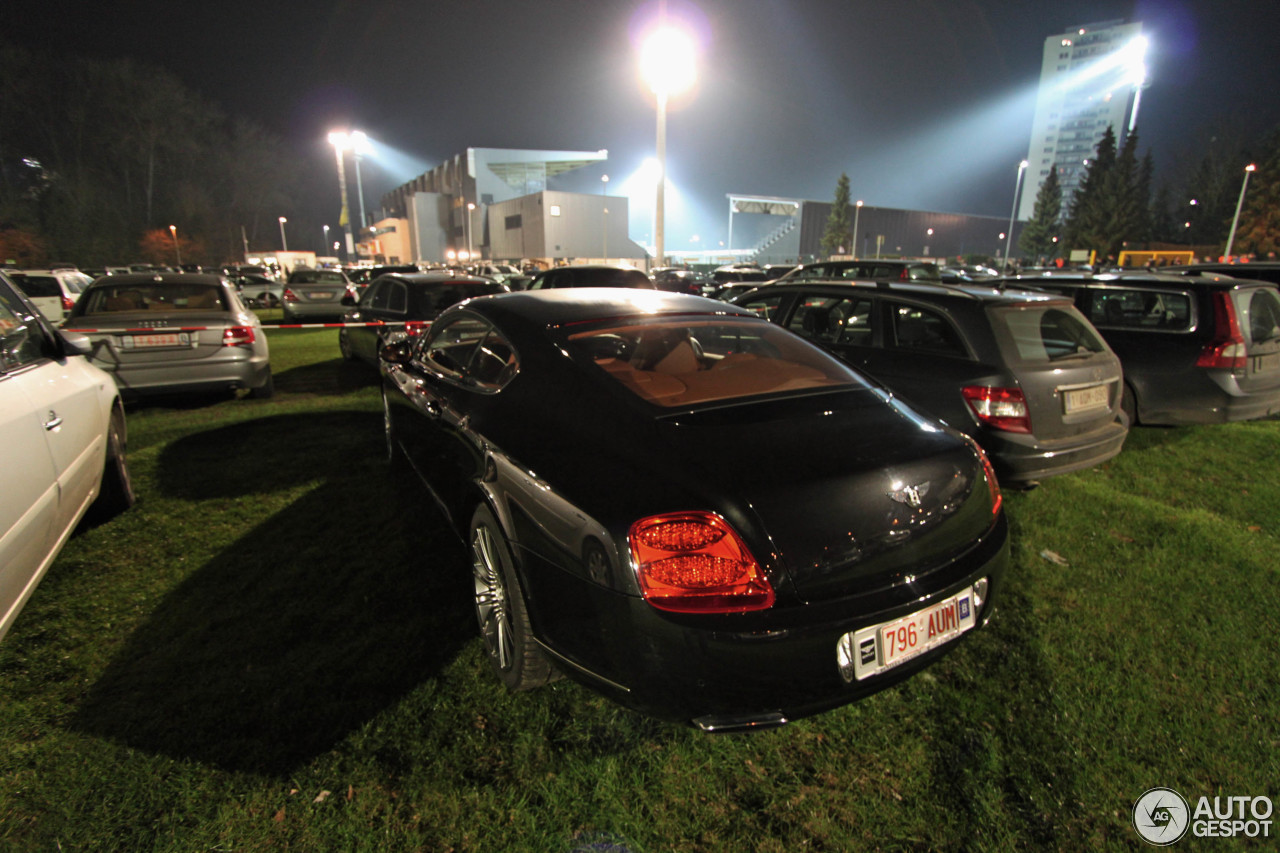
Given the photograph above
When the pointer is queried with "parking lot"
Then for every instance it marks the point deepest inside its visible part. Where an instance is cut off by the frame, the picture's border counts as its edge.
(276, 648)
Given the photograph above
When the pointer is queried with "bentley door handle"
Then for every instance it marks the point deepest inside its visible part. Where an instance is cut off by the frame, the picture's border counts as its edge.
(54, 421)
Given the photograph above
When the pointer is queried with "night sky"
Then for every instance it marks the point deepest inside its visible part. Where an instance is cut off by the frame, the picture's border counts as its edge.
(924, 103)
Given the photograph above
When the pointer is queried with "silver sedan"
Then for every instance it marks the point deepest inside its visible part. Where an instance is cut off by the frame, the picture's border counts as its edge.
(173, 332)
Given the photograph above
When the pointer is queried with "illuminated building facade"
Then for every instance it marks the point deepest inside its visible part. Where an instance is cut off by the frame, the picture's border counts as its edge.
(1091, 78)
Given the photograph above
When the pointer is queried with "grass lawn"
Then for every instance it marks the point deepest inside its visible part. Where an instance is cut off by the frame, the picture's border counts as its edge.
(275, 650)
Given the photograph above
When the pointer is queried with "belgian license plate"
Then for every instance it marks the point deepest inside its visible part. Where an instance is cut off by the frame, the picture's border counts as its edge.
(1263, 363)
(1084, 399)
(877, 648)
(319, 294)
(173, 339)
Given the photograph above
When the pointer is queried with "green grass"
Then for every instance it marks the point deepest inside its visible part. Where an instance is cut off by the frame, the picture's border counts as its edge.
(274, 650)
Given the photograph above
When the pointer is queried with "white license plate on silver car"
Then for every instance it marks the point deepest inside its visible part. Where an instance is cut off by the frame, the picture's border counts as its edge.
(1084, 399)
(876, 648)
(174, 339)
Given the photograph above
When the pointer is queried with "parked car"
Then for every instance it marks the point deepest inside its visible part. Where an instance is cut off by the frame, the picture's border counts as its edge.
(689, 509)
(62, 441)
(734, 275)
(591, 275)
(407, 303)
(866, 269)
(1196, 349)
(683, 281)
(732, 291)
(173, 332)
(315, 295)
(257, 290)
(1023, 374)
(1263, 270)
(54, 291)
(362, 276)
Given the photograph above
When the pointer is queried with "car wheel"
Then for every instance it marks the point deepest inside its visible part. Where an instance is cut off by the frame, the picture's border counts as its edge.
(344, 345)
(116, 493)
(508, 638)
(266, 390)
(1129, 404)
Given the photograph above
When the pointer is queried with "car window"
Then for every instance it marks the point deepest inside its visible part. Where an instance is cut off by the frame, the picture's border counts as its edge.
(764, 307)
(1040, 333)
(151, 296)
(1139, 309)
(1264, 316)
(371, 294)
(493, 364)
(449, 346)
(833, 320)
(22, 341)
(924, 330)
(37, 285)
(674, 362)
(397, 297)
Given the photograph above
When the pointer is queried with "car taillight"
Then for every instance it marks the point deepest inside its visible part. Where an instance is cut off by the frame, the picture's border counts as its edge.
(289, 295)
(993, 485)
(903, 275)
(67, 304)
(413, 328)
(1001, 408)
(694, 562)
(234, 336)
(1227, 349)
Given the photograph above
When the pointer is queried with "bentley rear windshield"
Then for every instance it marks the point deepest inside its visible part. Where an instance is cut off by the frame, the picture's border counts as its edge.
(681, 362)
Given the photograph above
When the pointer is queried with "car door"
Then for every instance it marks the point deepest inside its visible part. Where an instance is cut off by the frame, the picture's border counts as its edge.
(51, 440)
(922, 355)
(434, 425)
(370, 309)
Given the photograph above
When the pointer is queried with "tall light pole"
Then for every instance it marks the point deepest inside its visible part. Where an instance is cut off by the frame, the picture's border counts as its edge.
(666, 62)
(284, 244)
(360, 147)
(604, 185)
(1235, 220)
(857, 209)
(1017, 185)
(173, 229)
(339, 140)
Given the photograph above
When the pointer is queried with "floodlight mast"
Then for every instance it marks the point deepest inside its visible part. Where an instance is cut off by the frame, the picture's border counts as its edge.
(340, 140)
(667, 64)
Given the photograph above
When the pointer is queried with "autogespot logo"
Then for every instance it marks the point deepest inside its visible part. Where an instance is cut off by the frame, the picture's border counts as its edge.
(1161, 816)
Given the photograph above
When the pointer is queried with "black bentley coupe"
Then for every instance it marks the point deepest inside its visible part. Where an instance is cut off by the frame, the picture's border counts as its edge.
(690, 509)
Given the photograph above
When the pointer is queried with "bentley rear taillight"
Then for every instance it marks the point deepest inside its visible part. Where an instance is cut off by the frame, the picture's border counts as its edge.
(694, 562)
(1227, 349)
(1001, 408)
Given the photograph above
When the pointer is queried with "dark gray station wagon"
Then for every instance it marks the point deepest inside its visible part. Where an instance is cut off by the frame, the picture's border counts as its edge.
(1024, 374)
(1196, 348)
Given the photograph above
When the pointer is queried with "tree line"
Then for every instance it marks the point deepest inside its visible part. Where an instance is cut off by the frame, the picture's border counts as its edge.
(98, 157)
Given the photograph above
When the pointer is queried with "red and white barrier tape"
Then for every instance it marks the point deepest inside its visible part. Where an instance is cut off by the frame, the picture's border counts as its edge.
(265, 328)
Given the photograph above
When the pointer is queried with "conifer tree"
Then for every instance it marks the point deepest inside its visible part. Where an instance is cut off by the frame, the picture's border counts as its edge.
(837, 235)
(1037, 236)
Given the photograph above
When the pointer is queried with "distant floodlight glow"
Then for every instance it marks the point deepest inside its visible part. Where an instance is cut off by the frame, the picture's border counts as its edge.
(360, 143)
(667, 60)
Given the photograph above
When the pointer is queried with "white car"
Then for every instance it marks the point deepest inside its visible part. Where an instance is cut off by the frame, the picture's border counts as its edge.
(54, 292)
(62, 446)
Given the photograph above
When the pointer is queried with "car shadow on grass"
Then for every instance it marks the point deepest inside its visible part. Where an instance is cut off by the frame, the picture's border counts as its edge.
(308, 622)
(337, 376)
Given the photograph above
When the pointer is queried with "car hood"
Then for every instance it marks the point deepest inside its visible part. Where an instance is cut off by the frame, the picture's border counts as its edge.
(846, 493)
